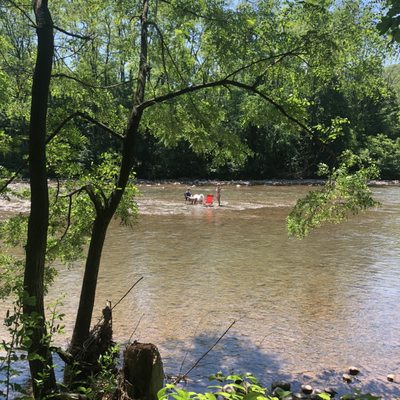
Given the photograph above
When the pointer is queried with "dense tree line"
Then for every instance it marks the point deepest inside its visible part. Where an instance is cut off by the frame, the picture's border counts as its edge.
(93, 73)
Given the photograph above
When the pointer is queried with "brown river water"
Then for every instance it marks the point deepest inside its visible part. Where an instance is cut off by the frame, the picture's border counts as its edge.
(305, 310)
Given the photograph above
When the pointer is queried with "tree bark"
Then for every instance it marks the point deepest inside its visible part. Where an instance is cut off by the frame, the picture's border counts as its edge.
(89, 284)
(41, 364)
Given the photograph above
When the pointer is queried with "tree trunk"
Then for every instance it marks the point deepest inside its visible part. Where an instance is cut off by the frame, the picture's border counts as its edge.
(89, 284)
(42, 373)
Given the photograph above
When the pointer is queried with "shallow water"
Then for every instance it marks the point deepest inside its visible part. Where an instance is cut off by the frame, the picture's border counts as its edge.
(304, 309)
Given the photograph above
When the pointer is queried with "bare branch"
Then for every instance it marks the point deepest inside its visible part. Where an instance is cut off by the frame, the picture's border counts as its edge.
(95, 199)
(13, 177)
(68, 219)
(86, 117)
(60, 126)
(61, 75)
(183, 377)
(134, 330)
(24, 13)
(101, 125)
(75, 35)
(119, 301)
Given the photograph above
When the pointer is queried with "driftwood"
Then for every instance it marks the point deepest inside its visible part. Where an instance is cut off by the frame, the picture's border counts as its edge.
(143, 371)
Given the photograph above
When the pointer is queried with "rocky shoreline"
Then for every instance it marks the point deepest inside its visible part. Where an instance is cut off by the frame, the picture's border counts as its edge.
(266, 182)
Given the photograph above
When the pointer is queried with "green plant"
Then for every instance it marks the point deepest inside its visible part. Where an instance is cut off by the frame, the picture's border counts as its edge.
(20, 328)
(243, 387)
(10, 352)
(230, 387)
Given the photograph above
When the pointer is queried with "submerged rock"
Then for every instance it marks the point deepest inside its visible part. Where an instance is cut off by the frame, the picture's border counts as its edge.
(280, 384)
(299, 396)
(347, 378)
(353, 370)
(390, 377)
(332, 392)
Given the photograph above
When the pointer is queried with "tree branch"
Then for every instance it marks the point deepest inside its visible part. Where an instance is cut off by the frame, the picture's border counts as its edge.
(88, 118)
(75, 35)
(95, 199)
(62, 75)
(24, 13)
(223, 82)
(68, 218)
(276, 57)
(101, 125)
(55, 133)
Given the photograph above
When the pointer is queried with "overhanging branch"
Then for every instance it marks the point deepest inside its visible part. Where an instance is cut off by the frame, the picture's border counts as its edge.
(87, 118)
(223, 82)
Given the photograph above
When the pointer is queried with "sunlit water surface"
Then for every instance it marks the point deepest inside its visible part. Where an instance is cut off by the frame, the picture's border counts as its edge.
(304, 309)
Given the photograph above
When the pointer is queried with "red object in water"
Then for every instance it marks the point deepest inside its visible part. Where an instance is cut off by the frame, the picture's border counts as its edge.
(209, 200)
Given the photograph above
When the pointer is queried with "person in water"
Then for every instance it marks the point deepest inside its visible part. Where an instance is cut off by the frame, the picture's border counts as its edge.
(218, 194)
(187, 194)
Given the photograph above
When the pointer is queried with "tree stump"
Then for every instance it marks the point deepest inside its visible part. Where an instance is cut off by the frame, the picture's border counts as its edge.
(143, 371)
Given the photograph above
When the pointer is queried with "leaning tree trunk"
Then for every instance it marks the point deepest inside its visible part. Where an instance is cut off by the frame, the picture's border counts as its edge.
(106, 211)
(41, 365)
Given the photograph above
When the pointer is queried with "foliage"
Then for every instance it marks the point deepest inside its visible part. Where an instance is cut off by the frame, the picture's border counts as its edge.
(104, 383)
(242, 387)
(345, 192)
(231, 387)
(386, 153)
(305, 56)
(390, 21)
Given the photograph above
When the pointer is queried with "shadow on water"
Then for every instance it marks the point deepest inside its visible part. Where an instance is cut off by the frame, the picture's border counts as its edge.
(234, 355)
(212, 352)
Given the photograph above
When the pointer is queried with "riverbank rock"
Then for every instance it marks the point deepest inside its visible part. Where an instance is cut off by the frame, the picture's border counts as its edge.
(143, 371)
(306, 389)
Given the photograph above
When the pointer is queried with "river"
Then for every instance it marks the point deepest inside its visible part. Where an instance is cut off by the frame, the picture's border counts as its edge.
(305, 310)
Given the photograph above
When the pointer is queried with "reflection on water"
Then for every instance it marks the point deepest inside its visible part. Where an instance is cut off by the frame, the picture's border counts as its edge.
(301, 307)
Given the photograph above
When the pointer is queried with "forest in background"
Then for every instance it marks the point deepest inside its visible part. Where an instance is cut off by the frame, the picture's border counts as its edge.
(353, 103)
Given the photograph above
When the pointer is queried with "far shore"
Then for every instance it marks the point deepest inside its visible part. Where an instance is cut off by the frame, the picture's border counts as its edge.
(241, 182)
(265, 182)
